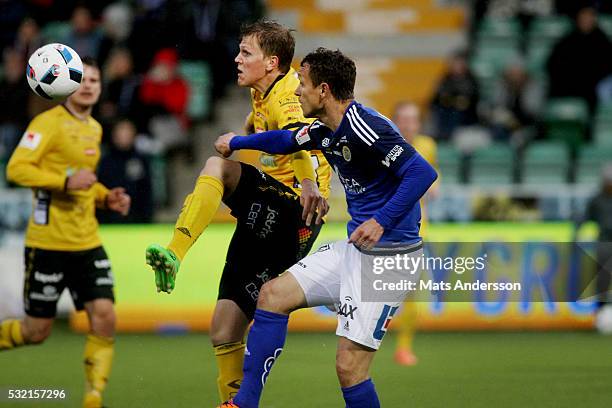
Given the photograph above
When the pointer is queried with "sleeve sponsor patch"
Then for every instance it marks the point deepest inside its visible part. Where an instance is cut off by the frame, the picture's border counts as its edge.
(30, 140)
(302, 136)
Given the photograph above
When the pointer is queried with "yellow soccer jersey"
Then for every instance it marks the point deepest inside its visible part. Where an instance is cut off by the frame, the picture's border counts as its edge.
(55, 145)
(426, 146)
(280, 109)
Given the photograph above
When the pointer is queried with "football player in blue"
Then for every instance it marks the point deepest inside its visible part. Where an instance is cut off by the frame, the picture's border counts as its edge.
(384, 178)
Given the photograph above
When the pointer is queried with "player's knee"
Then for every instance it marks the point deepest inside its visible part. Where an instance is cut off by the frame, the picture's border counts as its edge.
(348, 369)
(103, 320)
(273, 299)
(213, 167)
(37, 333)
(221, 334)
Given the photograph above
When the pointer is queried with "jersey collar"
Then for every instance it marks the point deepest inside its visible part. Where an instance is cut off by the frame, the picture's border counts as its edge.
(276, 80)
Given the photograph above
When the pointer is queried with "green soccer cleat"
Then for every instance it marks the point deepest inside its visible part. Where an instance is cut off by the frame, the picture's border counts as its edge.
(165, 265)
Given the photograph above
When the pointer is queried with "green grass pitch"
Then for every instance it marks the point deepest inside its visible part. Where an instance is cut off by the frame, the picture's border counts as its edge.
(455, 370)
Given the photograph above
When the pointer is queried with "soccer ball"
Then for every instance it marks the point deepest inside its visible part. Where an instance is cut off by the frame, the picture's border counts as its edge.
(54, 71)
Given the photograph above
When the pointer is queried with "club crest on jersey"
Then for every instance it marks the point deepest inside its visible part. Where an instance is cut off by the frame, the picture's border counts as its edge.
(325, 142)
(346, 153)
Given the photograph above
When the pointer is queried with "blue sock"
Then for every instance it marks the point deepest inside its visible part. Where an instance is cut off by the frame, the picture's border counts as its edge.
(362, 395)
(264, 344)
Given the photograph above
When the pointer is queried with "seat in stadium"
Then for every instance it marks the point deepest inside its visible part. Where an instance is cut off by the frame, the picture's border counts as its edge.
(548, 29)
(567, 119)
(198, 75)
(591, 160)
(488, 63)
(55, 31)
(492, 165)
(546, 163)
(602, 134)
(605, 23)
(498, 32)
(449, 164)
(603, 114)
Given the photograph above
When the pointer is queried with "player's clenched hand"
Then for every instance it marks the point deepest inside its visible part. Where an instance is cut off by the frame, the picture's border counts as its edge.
(312, 202)
(222, 145)
(367, 234)
(117, 200)
(81, 180)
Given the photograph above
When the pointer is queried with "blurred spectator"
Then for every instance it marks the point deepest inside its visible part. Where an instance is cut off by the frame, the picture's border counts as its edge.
(12, 13)
(117, 22)
(517, 99)
(123, 166)
(14, 97)
(164, 95)
(28, 38)
(580, 59)
(119, 96)
(83, 37)
(455, 100)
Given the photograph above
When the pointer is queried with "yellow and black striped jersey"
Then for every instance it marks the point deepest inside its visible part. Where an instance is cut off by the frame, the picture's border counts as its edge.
(55, 145)
(279, 109)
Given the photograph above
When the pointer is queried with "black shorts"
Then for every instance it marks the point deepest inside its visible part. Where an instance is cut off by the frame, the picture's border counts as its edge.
(87, 274)
(269, 238)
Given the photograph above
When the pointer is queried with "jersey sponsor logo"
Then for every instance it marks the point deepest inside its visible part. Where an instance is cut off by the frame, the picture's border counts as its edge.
(253, 214)
(48, 277)
(346, 153)
(323, 248)
(393, 155)
(347, 309)
(302, 136)
(350, 185)
(268, 365)
(295, 108)
(30, 140)
(287, 101)
(104, 281)
(269, 222)
(102, 264)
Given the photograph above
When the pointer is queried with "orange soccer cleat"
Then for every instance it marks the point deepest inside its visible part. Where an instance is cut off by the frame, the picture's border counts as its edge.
(405, 357)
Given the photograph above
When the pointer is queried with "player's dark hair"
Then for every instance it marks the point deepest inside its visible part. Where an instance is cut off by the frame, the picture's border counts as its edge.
(335, 69)
(91, 61)
(274, 40)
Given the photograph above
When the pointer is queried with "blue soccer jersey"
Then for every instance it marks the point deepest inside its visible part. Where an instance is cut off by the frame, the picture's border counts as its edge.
(369, 155)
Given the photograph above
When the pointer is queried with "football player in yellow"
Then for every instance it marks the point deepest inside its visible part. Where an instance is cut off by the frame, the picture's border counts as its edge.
(278, 210)
(57, 158)
(407, 117)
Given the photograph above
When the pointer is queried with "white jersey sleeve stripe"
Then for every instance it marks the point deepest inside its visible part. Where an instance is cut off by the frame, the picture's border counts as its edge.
(358, 119)
(358, 132)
